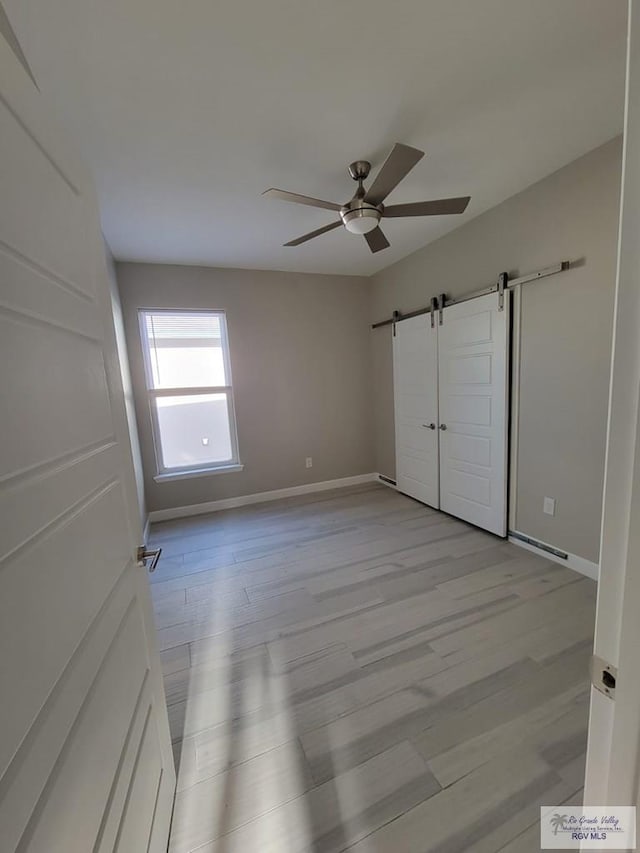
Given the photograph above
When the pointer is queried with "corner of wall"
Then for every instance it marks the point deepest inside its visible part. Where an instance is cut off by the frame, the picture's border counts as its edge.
(125, 373)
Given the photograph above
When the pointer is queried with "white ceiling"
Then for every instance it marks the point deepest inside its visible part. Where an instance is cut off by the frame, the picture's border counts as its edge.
(187, 110)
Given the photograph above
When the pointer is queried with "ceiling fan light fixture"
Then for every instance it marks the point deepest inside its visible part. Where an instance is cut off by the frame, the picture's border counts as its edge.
(361, 220)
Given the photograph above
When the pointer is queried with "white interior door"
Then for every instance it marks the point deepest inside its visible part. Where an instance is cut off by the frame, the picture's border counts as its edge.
(472, 359)
(415, 383)
(85, 758)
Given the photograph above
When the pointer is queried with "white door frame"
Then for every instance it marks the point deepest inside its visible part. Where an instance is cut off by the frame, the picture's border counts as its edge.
(613, 755)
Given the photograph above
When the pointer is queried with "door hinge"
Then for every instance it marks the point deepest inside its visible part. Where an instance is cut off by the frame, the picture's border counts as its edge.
(441, 300)
(143, 554)
(604, 676)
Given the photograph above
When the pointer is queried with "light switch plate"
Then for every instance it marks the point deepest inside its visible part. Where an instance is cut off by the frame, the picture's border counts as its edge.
(549, 506)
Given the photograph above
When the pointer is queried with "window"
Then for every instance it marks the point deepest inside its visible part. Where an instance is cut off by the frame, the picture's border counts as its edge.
(186, 355)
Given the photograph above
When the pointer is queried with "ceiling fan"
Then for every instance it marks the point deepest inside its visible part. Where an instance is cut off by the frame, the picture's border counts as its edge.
(362, 214)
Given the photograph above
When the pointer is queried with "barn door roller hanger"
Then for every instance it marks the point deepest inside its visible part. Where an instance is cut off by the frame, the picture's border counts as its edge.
(438, 303)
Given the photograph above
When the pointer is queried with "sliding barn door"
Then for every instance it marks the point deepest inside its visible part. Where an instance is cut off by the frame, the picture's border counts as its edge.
(415, 382)
(85, 758)
(473, 363)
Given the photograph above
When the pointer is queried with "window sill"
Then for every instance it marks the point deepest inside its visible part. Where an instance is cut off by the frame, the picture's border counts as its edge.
(198, 472)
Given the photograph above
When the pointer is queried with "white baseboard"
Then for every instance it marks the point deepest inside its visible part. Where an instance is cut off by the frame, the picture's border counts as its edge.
(572, 561)
(259, 497)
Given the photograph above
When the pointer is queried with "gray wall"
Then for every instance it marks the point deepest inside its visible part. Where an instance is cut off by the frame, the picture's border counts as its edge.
(566, 335)
(301, 372)
(127, 386)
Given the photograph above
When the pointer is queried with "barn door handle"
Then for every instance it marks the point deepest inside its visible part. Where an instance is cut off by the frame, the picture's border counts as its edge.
(429, 426)
(143, 554)
(443, 426)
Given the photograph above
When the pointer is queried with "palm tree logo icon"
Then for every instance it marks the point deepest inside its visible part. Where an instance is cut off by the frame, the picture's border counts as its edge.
(557, 822)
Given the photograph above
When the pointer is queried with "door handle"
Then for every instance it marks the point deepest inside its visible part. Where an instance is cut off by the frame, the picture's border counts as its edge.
(443, 426)
(429, 426)
(143, 554)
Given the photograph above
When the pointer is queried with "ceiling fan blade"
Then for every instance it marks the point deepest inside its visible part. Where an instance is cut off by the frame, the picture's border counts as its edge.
(313, 234)
(398, 164)
(437, 207)
(8, 32)
(376, 240)
(301, 199)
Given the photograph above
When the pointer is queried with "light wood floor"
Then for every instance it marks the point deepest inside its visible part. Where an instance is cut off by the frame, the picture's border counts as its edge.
(353, 671)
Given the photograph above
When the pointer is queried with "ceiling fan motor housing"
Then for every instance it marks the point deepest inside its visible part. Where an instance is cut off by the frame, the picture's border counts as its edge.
(359, 217)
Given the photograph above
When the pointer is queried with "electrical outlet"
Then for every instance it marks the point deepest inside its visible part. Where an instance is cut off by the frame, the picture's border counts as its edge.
(308, 462)
(549, 506)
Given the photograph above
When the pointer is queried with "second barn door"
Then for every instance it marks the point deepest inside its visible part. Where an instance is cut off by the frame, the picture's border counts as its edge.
(415, 380)
(473, 411)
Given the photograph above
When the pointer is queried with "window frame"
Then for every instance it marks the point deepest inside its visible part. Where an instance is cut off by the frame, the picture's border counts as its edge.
(198, 470)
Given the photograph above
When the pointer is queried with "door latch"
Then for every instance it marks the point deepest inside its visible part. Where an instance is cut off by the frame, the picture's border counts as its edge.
(604, 676)
(143, 554)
